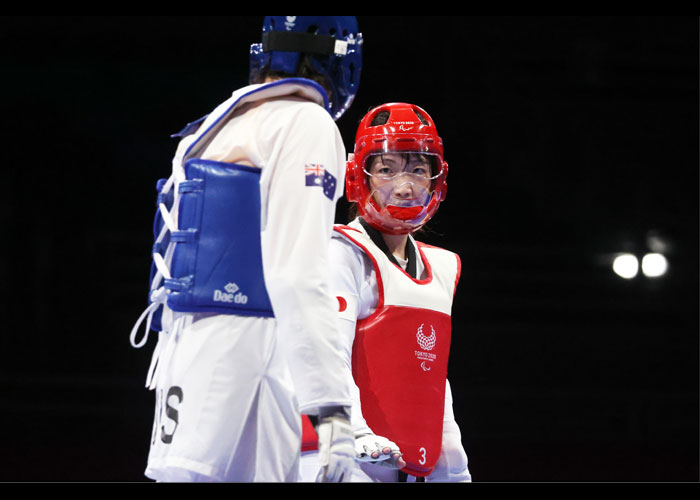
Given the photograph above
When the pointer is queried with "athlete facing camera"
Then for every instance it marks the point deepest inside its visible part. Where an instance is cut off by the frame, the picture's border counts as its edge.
(395, 299)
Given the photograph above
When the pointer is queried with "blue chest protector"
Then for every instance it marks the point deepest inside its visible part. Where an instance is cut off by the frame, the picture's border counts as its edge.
(217, 262)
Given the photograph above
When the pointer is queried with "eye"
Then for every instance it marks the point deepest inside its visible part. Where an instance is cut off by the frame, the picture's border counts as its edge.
(420, 170)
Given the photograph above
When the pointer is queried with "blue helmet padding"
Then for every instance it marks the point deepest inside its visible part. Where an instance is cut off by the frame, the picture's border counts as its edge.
(341, 69)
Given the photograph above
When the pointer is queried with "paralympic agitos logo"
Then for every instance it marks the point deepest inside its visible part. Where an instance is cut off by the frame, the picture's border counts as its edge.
(426, 343)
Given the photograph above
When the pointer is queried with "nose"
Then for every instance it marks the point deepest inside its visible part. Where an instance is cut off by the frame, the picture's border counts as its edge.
(403, 189)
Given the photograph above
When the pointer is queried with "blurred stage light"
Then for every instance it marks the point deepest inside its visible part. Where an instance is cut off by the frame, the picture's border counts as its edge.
(654, 265)
(626, 265)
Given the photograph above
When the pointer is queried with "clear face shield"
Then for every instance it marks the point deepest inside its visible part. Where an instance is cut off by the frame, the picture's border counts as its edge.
(401, 187)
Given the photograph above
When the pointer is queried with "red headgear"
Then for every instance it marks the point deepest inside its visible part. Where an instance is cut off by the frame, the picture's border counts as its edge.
(397, 128)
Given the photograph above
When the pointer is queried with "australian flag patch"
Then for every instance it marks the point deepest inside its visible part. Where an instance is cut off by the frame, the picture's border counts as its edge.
(316, 175)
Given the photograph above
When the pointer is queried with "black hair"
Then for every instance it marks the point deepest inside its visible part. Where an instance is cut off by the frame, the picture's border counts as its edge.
(380, 119)
(305, 69)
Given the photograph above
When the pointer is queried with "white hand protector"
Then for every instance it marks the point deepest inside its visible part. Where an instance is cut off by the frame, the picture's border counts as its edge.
(377, 449)
(336, 449)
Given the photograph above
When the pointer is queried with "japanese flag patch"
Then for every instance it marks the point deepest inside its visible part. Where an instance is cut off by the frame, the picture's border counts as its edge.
(347, 306)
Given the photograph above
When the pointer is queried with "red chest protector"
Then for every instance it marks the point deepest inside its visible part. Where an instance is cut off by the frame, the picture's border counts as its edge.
(400, 352)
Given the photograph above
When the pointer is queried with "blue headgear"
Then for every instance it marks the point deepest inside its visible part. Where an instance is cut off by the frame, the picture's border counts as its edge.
(332, 42)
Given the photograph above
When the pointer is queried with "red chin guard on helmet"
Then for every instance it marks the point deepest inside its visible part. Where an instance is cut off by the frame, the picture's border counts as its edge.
(395, 128)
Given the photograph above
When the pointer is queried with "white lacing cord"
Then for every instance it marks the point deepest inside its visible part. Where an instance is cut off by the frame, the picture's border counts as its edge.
(157, 298)
(158, 293)
(167, 218)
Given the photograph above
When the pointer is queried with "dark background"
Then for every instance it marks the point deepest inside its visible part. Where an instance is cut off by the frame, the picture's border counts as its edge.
(568, 138)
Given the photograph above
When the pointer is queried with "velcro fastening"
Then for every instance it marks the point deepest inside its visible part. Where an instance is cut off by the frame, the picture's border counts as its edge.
(309, 43)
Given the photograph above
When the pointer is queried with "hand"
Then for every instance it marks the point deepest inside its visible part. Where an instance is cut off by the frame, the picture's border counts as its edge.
(378, 450)
(336, 450)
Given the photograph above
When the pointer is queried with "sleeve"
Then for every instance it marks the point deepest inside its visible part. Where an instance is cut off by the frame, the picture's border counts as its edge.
(297, 220)
(453, 465)
(347, 274)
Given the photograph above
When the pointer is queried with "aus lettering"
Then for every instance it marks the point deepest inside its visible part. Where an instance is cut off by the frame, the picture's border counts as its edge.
(167, 413)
